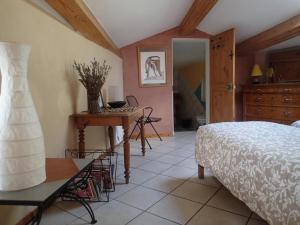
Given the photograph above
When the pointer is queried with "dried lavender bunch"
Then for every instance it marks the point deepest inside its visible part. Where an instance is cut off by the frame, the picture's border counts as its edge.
(92, 76)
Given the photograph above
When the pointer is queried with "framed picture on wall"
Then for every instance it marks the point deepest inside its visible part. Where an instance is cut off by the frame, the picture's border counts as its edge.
(152, 66)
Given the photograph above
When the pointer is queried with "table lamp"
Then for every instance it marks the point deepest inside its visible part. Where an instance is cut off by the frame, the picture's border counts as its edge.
(22, 148)
(256, 74)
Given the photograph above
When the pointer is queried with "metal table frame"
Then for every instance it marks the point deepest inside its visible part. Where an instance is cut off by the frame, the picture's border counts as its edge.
(65, 191)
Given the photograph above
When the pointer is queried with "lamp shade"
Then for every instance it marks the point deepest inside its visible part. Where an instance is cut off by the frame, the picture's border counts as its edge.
(22, 150)
(256, 71)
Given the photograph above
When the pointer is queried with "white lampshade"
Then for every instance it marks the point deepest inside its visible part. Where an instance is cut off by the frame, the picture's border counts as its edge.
(115, 93)
(22, 151)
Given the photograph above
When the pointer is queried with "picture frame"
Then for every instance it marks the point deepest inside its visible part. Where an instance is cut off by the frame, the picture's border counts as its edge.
(152, 66)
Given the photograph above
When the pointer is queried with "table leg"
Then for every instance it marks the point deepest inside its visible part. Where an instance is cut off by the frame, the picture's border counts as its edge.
(126, 147)
(143, 135)
(70, 191)
(81, 143)
(111, 138)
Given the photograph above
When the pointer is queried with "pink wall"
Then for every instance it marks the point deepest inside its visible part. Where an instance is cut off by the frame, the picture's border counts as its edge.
(160, 98)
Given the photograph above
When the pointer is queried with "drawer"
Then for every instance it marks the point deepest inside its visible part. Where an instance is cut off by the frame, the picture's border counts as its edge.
(259, 99)
(287, 89)
(259, 112)
(275, 113)
(286, 100)
(288, 113)
(259, 89)
(287, 122)
(273, 99)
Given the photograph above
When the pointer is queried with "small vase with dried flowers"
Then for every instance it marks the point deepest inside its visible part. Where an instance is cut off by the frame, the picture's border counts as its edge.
(93, 77)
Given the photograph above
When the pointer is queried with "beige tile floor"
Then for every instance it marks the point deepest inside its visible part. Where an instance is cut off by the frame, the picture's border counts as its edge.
(163, 190)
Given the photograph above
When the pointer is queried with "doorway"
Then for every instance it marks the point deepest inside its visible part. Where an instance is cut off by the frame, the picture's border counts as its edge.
(190, 83)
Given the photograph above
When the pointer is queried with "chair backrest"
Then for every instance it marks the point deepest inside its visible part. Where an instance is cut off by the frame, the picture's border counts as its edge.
(132, 101)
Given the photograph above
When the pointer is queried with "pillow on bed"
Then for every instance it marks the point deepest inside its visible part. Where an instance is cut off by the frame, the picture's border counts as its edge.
(296, 124)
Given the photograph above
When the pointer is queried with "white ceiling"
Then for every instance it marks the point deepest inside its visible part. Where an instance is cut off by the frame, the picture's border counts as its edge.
(249, 17)
(187, 51)
(128, 21)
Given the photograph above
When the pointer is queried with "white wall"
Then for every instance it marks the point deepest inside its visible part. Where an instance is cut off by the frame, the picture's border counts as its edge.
(55, 89)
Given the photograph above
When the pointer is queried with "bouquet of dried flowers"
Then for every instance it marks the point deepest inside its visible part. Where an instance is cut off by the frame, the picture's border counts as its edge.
(92, 77)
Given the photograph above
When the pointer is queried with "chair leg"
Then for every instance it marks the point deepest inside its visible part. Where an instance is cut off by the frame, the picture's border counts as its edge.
(148, 143)
(145, 137)
(137, 137)
(155, 131)
(133, 129)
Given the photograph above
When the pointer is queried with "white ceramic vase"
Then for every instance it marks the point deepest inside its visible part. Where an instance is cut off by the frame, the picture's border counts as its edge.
(22, 149)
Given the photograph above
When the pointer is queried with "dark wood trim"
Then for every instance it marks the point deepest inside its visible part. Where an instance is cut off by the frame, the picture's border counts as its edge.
(197, 12)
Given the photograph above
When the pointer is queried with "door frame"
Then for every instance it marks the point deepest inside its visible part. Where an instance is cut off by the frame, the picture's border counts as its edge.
(206, 42)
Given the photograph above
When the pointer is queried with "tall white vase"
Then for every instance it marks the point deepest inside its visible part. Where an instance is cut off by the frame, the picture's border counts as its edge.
(22, 149)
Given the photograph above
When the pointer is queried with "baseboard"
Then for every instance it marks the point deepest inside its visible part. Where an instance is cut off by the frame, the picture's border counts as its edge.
(26, 219)
(153, 135)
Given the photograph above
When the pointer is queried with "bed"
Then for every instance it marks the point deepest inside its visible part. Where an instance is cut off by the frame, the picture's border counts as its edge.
(259, 162)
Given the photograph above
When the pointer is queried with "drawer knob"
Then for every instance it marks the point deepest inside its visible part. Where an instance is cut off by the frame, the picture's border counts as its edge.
(286, 114)
(258, 99)
(287, 99)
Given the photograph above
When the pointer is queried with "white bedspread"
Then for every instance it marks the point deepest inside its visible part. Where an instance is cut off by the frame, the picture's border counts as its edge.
(259, 162)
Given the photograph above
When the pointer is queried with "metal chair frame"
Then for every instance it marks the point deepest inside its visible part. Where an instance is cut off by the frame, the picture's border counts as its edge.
(147, 119)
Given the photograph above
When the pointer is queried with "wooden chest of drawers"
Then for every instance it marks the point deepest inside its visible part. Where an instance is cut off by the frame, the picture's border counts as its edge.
(272, 102)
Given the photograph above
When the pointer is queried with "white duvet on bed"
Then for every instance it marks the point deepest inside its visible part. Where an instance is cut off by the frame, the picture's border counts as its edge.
(259, 162)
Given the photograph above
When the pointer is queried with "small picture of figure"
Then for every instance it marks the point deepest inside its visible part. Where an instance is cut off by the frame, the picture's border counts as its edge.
(152, 66)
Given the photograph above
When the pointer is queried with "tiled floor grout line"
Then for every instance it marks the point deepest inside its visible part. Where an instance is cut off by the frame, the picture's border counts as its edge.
(226, 211)
(169, 193)
(62, 209)
(160, 173)
(162, 154)
(145, 210)
(132, 189)
(203, 206)
(249, 218)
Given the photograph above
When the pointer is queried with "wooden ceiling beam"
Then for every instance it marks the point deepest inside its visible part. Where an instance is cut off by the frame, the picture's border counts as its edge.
(279, 33)
(83, 21)
(197, 12)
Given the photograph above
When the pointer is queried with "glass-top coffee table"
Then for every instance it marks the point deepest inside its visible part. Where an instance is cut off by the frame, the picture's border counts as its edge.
(64, 176)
